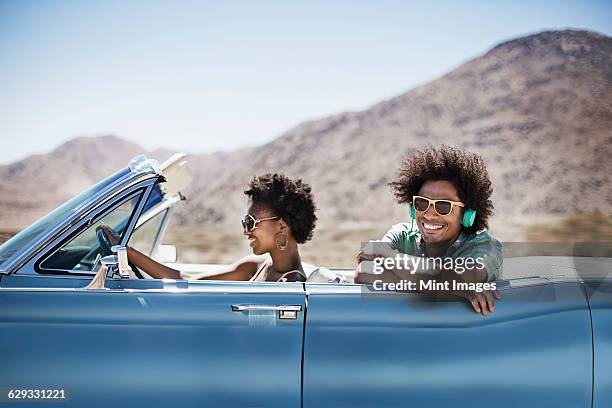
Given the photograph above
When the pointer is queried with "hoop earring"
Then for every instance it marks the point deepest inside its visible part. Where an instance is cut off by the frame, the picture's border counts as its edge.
(282, 245)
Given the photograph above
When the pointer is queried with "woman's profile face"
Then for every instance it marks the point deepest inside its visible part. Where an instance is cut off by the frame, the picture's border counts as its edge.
(262, 239)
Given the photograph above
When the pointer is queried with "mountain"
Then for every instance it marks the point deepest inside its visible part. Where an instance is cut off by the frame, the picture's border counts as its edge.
(537, 108)
(32, 187)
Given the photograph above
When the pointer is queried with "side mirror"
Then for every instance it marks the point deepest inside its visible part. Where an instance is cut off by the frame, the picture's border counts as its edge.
(121, 261)
(166, 254)
(111, 265)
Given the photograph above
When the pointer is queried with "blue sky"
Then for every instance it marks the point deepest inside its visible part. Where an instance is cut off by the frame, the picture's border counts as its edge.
(204, 76)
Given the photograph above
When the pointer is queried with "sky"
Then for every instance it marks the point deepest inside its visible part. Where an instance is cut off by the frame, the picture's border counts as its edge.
(203, 76)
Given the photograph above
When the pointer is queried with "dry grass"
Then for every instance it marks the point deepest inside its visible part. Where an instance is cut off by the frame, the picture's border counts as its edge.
(583, 227)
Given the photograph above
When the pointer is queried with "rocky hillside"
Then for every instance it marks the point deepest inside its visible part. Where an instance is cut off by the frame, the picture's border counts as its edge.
(538, 108)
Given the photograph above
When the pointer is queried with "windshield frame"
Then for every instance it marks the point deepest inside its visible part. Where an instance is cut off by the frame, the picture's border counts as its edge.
(136, 193)
(28, 242)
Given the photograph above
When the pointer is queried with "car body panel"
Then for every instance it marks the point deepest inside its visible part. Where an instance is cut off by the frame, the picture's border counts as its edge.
(600, 301)
(410, 350)
(154, 343)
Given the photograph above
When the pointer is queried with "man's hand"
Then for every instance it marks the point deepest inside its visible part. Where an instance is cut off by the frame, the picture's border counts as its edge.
(482, 302)
(362, 256)
(359, 258)
(360, 277)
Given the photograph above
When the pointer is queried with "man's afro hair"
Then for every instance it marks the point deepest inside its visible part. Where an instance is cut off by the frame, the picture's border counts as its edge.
(467, 172)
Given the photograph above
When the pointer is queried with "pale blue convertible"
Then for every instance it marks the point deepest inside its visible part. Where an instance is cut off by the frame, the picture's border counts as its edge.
(153, 343)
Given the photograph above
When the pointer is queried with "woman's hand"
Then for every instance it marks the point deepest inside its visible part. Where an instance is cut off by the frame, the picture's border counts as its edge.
(111, 234)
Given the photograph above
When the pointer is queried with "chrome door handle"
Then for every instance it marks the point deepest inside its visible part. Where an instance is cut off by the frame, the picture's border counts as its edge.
(242, 308)
(284, 311)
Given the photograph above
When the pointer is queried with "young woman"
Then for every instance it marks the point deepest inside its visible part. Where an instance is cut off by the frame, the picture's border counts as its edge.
(280, 216)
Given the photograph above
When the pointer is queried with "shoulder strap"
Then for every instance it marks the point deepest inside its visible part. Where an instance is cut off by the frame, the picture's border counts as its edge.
(261, 268)
(283, 277)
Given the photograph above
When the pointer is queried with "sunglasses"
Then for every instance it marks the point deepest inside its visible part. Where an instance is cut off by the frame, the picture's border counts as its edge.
(442, 207)
(249, 223)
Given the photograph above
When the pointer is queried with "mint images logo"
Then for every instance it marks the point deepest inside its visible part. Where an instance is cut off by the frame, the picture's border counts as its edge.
(432, 285)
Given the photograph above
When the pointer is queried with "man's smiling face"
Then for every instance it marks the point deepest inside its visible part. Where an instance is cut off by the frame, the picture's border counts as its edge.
(437, 228)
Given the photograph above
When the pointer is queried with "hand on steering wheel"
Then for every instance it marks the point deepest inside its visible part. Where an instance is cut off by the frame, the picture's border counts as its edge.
(107, 238)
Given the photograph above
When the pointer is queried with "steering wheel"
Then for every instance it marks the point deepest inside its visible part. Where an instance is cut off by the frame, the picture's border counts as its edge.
(105, 242)
(105, 249)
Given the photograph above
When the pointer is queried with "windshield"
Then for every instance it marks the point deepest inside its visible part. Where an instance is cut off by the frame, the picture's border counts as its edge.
(82, 252)
(28, 235)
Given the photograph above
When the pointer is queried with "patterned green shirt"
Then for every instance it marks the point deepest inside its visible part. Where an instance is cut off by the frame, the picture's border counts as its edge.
(407, 240)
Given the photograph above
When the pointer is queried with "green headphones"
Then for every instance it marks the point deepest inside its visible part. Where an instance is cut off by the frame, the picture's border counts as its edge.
(469, 215)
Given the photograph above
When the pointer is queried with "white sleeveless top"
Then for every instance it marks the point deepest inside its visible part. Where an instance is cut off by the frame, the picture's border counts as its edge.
(284, 276)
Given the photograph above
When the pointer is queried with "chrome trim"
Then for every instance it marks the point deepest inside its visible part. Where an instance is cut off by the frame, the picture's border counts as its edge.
(122, 261)
(136, 214)
(333, 289)
(187, 291)
(116, 193)
(167, 204)
(245, 308)
(153, 211)
(40, 289)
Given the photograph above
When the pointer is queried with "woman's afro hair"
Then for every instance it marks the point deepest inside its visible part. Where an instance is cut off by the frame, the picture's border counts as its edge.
(467, 172)
(289, 199)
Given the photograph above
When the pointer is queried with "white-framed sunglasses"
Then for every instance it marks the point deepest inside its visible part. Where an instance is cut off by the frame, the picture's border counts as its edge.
(249, 223)
(441, 207)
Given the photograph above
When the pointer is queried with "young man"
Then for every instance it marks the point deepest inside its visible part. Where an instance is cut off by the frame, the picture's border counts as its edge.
(449, 196)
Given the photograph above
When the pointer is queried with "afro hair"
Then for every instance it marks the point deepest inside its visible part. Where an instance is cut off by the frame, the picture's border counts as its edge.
(289, 199)
(467, 172)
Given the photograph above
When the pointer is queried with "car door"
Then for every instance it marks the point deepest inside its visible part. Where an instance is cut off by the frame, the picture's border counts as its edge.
(600, 300)
(363, 349)
(153, 342)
